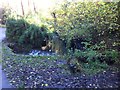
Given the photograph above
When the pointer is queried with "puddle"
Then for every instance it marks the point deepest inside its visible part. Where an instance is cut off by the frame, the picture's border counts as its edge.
(41, 53)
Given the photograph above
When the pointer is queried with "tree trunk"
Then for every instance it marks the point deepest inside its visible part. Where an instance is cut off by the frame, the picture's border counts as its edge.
(22, 8)
(34, 7)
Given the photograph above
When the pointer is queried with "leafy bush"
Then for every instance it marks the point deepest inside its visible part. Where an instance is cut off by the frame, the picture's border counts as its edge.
(21, 32)
(93, 21)
(107, 56)
(86, 56)
(15, 28)
(87, 61)
(94, 67)
(111, 56)
(111, 53)
(33, 36)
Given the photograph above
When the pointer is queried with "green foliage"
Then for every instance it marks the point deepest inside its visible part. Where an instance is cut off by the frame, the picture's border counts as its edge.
(92, 21)
(33, 36)
(15, 28)
(111, 55)
(94, 67)
(87, 61)
(93, 54)
(22, 32)
(88, 54)
(79, 53)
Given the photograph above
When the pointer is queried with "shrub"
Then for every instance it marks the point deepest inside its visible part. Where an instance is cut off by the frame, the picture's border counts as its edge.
(15, 28)
(21, 32)
(94, 67)
(111, 56)
(32, 36)
(86, 56)
(80, 20)
(87, 61)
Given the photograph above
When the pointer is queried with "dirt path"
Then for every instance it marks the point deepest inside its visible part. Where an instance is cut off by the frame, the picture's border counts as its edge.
(4, 83)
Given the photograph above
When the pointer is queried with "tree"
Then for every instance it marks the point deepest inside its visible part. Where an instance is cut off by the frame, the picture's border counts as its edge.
(92, 21)
(22, 8)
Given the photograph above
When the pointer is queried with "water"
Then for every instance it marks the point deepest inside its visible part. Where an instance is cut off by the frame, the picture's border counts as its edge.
(41, 53)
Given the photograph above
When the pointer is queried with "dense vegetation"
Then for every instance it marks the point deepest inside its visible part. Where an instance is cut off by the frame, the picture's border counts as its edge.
(93, 26)
(89, 32)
